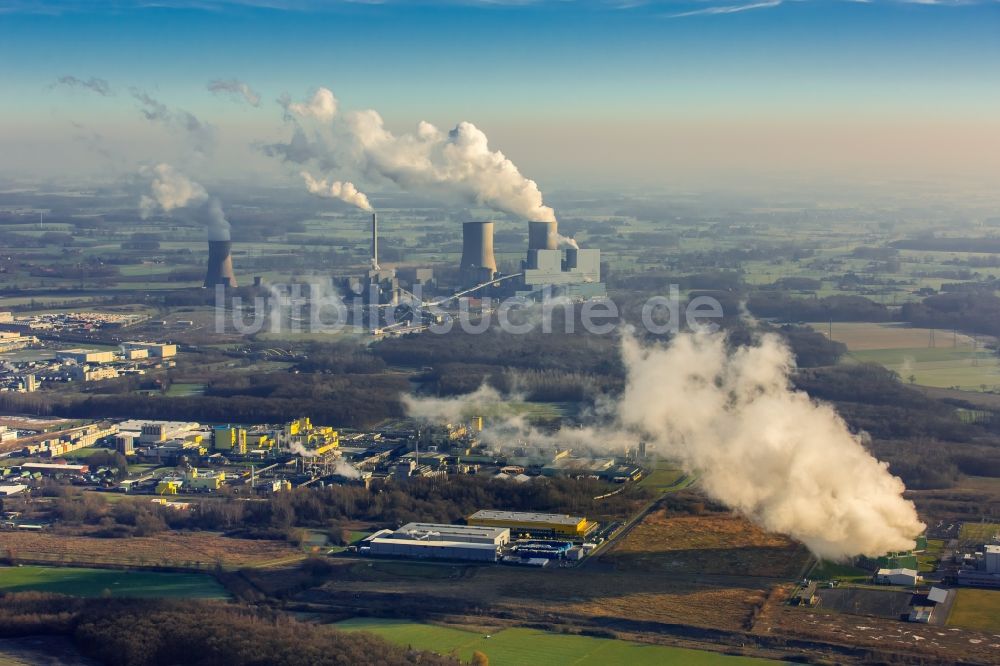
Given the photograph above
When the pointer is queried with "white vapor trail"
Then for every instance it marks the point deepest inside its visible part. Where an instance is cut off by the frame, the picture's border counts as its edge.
(760, 447)
(344, 191)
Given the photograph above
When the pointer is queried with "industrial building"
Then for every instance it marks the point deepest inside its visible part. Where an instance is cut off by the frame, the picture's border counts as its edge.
(537, 524)
(82, 356)
(906, 577)
(433, 541)
(154, 349)
(568, 272)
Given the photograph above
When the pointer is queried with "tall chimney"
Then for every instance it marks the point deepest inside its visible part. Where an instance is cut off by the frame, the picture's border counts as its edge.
(220, 264)
(375, 241)
(477, 248)
(543, 236)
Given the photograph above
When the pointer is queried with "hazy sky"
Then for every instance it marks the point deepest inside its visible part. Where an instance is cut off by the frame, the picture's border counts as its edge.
(692, 92)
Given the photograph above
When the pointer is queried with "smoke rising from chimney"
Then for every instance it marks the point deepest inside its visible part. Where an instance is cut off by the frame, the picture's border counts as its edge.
(771, 453)
(171, 190)
(458, 164)
(344, 191)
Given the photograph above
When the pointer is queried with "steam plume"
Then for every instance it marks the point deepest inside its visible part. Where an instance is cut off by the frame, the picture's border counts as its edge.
(236, 88)
(171, 190)
(344, 191)
(458, 164)
(765, 450)
(201, 135)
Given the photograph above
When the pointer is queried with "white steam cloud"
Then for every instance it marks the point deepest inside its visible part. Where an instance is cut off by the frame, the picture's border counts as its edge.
(763, 449)
(344, 191)
(458, 164)
(170, 190)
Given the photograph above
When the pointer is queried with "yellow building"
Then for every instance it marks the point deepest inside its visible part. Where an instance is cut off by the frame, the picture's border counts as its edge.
(318, 439)
(230, 438)
(549, 524)
(196, 480)
(260, 440)
(168, 486)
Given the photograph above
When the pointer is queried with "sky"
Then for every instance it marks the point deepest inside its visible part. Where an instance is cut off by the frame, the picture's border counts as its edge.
(578, 93)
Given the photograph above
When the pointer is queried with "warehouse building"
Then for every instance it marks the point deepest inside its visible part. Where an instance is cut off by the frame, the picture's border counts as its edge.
(82, 356)
(907, 577)
(536, 524)
(434, 541)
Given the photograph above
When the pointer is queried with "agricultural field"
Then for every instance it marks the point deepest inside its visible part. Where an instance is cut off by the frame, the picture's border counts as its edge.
(82, 582)
(195, 550)
(713, 544)
(976, 609)
(531, 646)
(922, 356)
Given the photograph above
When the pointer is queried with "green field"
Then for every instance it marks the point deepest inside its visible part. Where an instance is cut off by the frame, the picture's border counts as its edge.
(976, 609)
(530, 646)
(938, 367)
(841, 572)
(979, 532)
(666, 477)
(82, 582)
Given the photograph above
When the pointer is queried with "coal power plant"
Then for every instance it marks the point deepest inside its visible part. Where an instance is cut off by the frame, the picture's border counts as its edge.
(478, 263)
(220, 264)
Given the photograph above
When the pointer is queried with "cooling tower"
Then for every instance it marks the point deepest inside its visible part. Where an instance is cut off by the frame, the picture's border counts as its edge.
(543, 236)
(220, 264)
(477, 247)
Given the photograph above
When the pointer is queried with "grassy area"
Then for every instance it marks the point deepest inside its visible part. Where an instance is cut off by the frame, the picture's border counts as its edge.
(978, 532)
(185, 390)
(531, 646)
(976, 609)
(666, 477)
(943, 368)
(843, 572)
(107, 582)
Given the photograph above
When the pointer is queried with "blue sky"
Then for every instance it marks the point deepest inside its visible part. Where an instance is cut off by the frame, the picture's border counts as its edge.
(586, 90)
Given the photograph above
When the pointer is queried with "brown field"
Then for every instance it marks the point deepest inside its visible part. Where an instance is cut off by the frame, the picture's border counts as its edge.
(570, 595)
(193, 550)
(862, 336)
(947, 644)
(714, 544)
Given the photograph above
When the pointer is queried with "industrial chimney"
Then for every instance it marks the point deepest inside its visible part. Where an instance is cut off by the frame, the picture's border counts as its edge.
(220, 264)
(375, 241)
(543, 235)
(477, 250)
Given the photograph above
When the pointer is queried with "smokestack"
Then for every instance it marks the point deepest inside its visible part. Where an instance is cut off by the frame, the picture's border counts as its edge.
(220, 264)
(543, 235)
(477, 247)
(375, 241)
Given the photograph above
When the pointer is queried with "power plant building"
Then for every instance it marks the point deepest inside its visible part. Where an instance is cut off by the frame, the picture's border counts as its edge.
(539, 524)
(434, 541)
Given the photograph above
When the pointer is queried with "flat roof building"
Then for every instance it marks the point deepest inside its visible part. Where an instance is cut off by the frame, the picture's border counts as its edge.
(436, 541)
(554, 524)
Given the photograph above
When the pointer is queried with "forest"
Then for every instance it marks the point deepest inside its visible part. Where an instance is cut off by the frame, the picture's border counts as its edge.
(146, 632)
